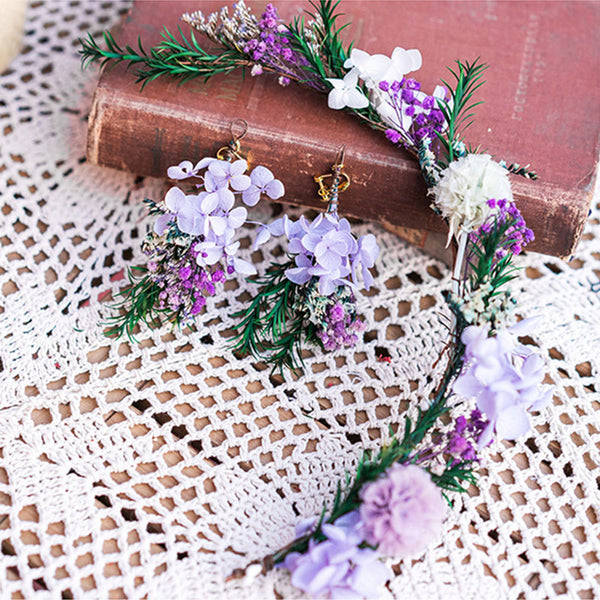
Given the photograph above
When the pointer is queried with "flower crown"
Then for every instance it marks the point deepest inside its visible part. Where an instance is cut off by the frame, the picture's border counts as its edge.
(393, 504)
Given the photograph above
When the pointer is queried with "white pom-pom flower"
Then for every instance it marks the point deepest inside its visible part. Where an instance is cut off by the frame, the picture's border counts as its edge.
(464, 189)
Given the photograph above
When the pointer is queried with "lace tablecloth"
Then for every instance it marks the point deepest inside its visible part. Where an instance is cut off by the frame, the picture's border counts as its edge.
(154, 469)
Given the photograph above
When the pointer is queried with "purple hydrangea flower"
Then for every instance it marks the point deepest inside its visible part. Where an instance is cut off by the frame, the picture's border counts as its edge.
(402, 512)
(324, 248)
(222, 173)
(337, 567)
(262, 181)
(504, 377)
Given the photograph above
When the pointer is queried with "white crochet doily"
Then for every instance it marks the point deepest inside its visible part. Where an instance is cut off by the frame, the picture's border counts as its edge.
(152, 470)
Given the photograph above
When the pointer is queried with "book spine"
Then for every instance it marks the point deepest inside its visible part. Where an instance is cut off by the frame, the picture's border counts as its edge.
(129, 133)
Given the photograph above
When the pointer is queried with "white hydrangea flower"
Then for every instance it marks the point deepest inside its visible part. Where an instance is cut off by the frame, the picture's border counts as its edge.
(345, 92)
(377, 67)
(464, 188)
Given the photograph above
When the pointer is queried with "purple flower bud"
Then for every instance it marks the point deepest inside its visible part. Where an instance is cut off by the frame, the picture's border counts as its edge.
(392, 135)
(185, 272)
(412, 84)
(428, 103)
(384, 86)
(218, 276)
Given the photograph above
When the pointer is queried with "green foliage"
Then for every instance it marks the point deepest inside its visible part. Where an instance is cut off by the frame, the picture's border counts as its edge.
(138, 304)
(517, 169)
(402, 450)
(457, 111)
(183, 60)
(272, 328)
(485, 266)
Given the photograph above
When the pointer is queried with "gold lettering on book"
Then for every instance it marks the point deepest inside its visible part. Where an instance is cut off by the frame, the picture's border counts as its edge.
(229, 89)
(528, 67)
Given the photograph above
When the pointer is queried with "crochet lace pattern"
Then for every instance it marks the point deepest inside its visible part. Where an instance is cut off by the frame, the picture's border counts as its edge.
(154, 470)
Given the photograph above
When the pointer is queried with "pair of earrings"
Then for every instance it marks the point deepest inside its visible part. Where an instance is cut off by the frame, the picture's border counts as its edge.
(193, 248)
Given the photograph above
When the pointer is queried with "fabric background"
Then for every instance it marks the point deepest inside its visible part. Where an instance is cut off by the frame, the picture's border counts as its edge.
(151, 470)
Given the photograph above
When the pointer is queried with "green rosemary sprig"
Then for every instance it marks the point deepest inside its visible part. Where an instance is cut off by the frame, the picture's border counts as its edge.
(327, 54)
(183, 60)
(517, 169)
(456, 111)
(370, 468)
(271, 327)
(485, 266)
(138, 304)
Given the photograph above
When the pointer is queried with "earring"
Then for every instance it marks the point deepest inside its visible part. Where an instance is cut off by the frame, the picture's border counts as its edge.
(192, 248)
(310, 298)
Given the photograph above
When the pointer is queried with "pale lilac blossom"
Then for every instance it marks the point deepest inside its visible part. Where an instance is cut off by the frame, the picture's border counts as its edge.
(183, 170)
(222, 173)
(504, 377)
(338, 567)
(262, 181)
(324, 249)
(211, 214)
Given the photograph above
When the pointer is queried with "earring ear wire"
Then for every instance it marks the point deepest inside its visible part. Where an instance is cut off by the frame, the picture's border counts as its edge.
(233, 149)
(340, 181)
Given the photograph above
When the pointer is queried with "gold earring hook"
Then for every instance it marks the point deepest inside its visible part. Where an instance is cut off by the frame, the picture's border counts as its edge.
(340, 181)
(233, 149)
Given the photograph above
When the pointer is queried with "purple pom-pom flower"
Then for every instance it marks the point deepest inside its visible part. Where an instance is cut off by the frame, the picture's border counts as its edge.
(402, 512)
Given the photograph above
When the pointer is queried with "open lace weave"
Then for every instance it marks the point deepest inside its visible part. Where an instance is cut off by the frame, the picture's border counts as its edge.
(153, 470)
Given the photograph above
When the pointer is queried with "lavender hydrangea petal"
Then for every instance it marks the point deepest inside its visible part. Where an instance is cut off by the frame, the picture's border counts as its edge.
(204, 162)
(251, 196)
(512, 422)
(237, 217)
(238, 167)
(219, 170)
(261, 176)
(217, 224)
(261, 237)
(295, 247)
(275, 189)
(298, 275)
(310, 241)
(526, 326)
(183, 170)
(162, 223)
(209, 202)
(175, 199)
(240, 182)
(208, 253)
(305, 526)
(243, 267)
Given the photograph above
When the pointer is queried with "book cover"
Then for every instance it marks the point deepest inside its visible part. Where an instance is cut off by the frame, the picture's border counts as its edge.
(542, 106)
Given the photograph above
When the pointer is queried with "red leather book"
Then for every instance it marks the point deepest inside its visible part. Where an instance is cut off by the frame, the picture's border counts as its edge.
(542, 106)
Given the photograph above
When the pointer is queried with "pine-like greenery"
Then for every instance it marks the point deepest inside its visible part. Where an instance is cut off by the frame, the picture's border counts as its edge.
(179, 59)
(138, 303)
(272, 327)
(456, 111)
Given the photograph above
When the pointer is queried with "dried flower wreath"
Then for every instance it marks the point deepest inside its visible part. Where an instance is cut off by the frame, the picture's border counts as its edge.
(393, 504)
